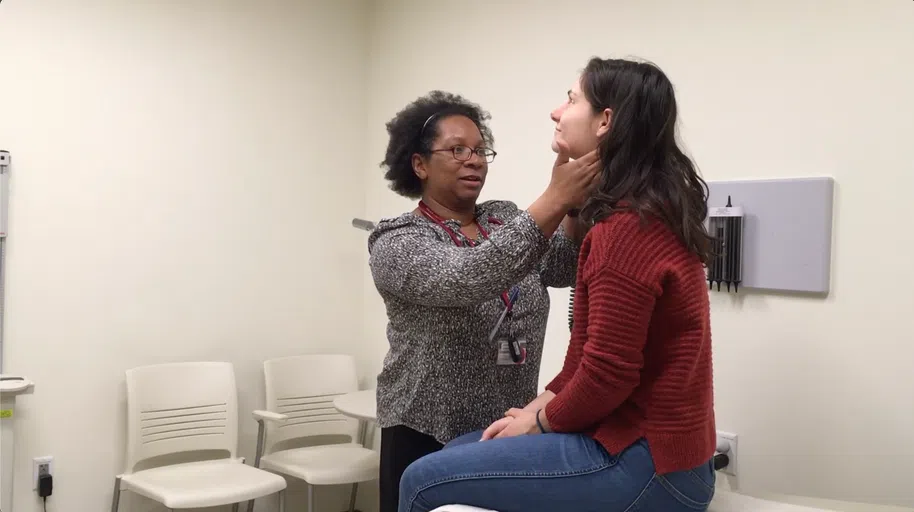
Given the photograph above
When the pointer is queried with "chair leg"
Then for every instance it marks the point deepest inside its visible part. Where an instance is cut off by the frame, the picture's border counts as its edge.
(352, 494)
(363, 433)
(250, 505)
(116, 497)
(235, 507)
(310, 498)
(282, 500)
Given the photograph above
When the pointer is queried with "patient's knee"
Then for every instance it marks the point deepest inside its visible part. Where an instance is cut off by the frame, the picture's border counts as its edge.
(472, 437)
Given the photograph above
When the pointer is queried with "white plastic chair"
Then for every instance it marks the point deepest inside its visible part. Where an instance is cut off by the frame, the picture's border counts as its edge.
(299, 401)
(177, 408)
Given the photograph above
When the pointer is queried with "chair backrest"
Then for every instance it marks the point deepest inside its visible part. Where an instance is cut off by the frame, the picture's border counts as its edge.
(303, 387)
(180, 407)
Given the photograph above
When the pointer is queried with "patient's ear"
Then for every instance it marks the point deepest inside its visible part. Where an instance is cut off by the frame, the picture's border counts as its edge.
(605, 121)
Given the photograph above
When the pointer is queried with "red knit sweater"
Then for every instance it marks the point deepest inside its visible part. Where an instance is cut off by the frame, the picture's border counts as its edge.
(639, 360)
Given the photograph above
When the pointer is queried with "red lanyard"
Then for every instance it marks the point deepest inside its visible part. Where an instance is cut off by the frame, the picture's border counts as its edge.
(439, 220)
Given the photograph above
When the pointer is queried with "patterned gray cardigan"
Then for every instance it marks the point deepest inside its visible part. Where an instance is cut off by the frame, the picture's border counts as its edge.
(440, 375)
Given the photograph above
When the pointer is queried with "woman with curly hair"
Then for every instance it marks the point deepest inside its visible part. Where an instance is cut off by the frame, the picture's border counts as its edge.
(464, 283)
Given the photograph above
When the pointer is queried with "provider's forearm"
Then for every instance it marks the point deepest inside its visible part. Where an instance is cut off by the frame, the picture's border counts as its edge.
(540, 401)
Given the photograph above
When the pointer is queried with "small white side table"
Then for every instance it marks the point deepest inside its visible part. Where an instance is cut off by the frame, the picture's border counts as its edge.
(11, 386)
(361, 405)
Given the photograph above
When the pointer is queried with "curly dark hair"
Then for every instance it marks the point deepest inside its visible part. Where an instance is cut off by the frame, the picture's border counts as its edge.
(414, 129)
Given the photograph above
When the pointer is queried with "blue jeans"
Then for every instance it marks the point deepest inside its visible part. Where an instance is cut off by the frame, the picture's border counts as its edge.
(550, 473)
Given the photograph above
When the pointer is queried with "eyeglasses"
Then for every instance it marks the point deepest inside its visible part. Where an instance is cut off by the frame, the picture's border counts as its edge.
(464, 153)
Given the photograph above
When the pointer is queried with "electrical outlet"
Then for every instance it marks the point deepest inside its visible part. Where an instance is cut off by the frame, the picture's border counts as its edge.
(41, 466)
(728, 442)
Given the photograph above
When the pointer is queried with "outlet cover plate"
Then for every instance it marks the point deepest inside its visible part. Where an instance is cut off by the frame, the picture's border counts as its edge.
(37, 462)
(732, 440)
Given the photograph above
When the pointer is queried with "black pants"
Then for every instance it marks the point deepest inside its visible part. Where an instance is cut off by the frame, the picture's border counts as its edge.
(400, 447)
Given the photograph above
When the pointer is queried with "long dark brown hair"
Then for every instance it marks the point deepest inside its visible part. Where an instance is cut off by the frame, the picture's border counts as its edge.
(644, 170)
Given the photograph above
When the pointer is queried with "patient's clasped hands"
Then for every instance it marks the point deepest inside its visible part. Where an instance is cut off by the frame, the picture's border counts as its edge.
(517, 422)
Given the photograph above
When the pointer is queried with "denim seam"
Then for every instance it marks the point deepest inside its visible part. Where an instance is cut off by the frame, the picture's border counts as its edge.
(682, 498)
(503, 474)
(698, 480)
(641, 494)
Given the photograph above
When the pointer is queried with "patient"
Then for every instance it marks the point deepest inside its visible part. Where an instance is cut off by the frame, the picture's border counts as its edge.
(628, 424)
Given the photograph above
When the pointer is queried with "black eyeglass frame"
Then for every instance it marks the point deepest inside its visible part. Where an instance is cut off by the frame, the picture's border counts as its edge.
(487, 154)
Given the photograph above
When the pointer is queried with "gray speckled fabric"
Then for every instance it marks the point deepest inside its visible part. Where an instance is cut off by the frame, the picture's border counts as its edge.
(440, 375)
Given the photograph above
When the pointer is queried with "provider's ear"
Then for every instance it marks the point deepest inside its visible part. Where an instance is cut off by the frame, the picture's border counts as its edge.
(605, 120)
(419, 166)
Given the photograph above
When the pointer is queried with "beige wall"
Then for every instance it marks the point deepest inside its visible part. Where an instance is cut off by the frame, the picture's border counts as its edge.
(184, 177)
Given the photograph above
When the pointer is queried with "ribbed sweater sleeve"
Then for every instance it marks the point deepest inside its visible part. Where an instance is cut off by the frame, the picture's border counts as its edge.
(620, 282)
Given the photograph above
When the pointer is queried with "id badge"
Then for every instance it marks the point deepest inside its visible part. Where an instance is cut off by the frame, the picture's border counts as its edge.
(511, 352)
